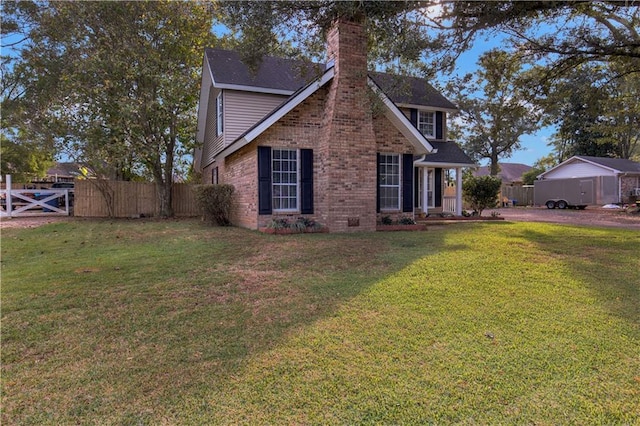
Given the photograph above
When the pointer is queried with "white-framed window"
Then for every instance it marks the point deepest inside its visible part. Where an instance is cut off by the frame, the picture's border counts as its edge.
(285, 177)
(219, 111)
(389, 177)
(427, 123)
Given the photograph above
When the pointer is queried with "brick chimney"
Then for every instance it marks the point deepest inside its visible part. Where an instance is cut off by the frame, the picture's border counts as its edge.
(347, 148)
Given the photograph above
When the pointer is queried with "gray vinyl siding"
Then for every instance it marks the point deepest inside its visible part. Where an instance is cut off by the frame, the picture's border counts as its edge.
(212, 143)
(244, 109)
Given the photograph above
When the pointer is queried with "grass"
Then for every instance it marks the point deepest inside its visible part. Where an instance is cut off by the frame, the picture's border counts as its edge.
(133, 322)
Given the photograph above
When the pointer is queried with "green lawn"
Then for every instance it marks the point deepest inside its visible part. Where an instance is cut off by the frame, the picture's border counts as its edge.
(173, 322)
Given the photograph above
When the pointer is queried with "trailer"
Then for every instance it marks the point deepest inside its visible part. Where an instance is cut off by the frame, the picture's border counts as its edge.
(575, 192)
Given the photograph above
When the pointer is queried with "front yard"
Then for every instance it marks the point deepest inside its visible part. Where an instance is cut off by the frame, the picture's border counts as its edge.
(133, 322)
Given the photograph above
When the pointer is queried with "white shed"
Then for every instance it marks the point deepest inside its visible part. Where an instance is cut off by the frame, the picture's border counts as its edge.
(625, 174)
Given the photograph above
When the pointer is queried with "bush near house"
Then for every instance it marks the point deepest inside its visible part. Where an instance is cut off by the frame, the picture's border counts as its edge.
(215, 202)
(481, 192)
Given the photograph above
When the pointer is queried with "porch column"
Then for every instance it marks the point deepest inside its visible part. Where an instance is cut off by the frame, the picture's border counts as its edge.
(425, 182)
(458, 191)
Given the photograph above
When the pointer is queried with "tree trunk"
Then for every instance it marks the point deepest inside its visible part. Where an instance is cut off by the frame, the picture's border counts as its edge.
(163, 190)
(494, 166)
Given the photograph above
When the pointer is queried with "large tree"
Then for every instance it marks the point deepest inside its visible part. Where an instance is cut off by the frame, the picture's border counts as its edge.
(494, 110)
(113, 82)
(425, 36)
(595, 111)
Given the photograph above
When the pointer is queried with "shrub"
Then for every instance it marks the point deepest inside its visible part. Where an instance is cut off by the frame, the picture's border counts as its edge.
(481, 192)
(215, 202)
(386, 220)
(406, 220)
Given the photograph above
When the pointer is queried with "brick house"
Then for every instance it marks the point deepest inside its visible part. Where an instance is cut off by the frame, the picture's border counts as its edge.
(334, 143)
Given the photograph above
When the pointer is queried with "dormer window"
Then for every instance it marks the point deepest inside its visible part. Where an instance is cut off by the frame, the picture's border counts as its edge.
(219, 122)
(427, 123)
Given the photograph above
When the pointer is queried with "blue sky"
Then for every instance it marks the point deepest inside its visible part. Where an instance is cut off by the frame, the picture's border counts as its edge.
(534, 146)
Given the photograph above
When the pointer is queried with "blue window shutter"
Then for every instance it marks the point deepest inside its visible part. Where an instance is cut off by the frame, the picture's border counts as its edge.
(306, 181)
(264, 180)
(414, 117)
(378, 183)
(407, 182)
(437, 182)
(439, 124)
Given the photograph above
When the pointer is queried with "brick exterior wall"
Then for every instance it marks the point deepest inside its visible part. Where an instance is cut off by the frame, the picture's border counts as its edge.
(336, 122)
(627, 185)
(347, 151)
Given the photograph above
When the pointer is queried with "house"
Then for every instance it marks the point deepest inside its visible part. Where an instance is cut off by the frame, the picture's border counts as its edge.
(510, 173)
(333, 143)
(614, 180)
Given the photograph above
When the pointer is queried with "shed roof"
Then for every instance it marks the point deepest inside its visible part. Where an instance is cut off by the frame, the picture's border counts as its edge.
(617, 164)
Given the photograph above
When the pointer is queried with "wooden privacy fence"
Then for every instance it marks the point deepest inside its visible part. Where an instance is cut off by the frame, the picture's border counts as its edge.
(522, 195)
(130, 199)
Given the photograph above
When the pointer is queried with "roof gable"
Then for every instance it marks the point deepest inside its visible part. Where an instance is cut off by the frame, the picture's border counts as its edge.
(611, 165)
(615, 164)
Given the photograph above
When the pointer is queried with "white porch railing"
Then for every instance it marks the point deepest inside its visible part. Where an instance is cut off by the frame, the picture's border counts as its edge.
(449, 204)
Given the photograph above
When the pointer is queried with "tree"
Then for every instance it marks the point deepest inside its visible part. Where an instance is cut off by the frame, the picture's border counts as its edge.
(494, 112)
(23, 161)
(115, 82)
(565, 33)
(481, 192)
(540, 166)
(595, 111)
(426, 36)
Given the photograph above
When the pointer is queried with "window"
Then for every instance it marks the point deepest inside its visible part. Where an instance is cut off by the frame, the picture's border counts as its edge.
(284, 171)
(389, 178)
(427, 123)
(219, 123)
(214, 176)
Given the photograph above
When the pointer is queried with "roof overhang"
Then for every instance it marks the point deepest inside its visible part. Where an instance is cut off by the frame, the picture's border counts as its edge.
(252, 89)
(445, 165)
(277, 114)
(402, 123)
(426, 107)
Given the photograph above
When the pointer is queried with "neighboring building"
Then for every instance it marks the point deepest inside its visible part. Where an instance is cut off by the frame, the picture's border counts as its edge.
(617, 179)
(63, 172)
(509, 174)
(332, 142)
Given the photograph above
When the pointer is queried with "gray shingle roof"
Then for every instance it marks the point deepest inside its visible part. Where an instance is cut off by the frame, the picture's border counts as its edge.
(289, 74)
(619, 164)
(449, 153)
(410, 90)
(273, 73)
(509, 172)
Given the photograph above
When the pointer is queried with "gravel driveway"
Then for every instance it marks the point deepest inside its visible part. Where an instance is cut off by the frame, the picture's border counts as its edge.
(591, 216)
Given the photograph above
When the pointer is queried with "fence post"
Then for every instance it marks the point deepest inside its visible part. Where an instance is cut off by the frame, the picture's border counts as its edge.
(8, 197)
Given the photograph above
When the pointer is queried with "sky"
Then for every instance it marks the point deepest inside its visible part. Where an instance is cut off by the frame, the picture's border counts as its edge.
(534, 146)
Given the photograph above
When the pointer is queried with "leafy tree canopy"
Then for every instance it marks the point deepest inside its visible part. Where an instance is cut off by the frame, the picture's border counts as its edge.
(111, 83)
(426, 36)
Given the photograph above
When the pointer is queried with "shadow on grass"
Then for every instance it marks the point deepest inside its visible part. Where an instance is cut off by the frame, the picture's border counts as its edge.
(129, 319)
